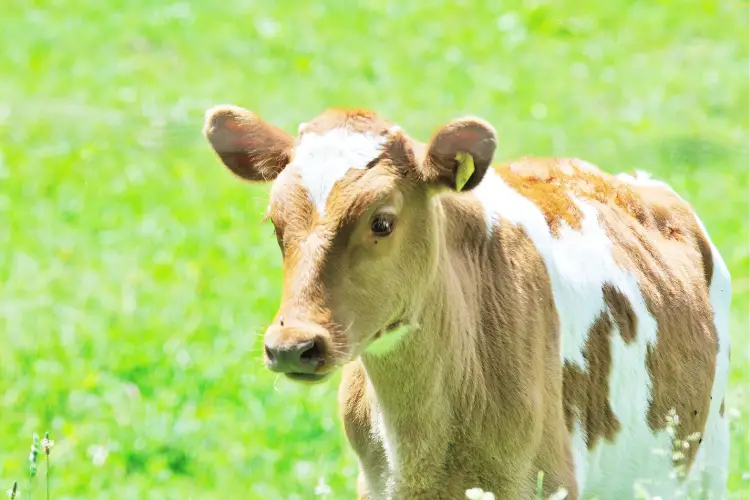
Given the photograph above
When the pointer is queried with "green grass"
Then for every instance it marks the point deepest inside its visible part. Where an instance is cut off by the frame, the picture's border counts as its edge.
(135, 277)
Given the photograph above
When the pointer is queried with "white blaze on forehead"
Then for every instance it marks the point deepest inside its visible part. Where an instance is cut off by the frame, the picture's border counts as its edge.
(322, 160)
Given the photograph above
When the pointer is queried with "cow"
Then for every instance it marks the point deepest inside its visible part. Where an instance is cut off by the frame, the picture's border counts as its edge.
(492, 320)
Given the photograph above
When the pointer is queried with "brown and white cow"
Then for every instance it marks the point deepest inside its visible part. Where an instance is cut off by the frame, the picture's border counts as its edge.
(492, 321)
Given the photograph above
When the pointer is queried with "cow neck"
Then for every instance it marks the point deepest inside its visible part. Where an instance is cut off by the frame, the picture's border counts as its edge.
(428, 372)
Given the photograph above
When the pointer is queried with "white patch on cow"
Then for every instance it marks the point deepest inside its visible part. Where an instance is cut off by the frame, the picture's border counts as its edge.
(579, 263)
(580, 454)
(380, 433)
(387, 341)
(322, 160)
(388, 442)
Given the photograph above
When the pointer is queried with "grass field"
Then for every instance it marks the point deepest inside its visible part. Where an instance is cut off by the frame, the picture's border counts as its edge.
(135, 277)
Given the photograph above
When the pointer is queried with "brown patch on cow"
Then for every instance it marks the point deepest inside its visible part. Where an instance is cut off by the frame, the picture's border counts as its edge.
(586, 393)
(671, 275)
(621, 309)
(674, 219)
(707, 256)
(551, 197)
(586, 389)
(356, 120)
(552, 182)
(291, 212)
(721, 408)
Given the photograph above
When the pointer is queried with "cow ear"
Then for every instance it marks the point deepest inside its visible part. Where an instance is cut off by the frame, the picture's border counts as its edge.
(251, 148)
(459, 154)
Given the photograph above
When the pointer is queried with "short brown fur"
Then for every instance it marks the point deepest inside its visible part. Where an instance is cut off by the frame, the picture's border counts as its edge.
(496, 434)
(355, 120)
(672, 281)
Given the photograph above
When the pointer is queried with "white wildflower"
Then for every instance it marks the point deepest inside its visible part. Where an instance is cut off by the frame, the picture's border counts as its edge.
(479, 494)
(322, 489)
(560, 494)
(47, 443)
(694, 436)
(13, 493)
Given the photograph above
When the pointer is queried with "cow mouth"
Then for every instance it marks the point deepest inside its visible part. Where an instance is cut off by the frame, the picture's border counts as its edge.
(311, 378)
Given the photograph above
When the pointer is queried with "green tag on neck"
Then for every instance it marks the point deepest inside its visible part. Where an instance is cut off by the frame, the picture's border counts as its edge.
(465, 169)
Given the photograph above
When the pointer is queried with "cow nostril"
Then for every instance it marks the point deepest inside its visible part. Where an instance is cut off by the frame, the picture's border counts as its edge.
(269, 354)
(305, 356)
(313, 354)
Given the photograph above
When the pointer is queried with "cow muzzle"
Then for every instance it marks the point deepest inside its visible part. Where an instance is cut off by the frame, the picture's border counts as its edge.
(298, 350)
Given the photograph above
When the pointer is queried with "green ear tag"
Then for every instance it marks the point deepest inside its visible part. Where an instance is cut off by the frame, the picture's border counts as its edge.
(465, 169)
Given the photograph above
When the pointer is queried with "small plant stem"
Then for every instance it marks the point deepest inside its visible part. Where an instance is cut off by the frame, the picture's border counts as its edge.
(47, 460)
(540, 485)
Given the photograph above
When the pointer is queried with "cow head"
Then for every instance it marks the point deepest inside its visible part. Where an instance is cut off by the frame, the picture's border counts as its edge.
(353, 212)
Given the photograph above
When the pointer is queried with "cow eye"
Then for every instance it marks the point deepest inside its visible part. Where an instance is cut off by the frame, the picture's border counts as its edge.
(382, 225)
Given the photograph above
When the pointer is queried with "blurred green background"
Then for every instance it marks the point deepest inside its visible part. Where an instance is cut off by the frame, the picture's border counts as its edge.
(135, 277)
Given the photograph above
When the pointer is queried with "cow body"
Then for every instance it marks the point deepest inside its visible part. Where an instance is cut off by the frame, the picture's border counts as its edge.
(549, 317)
(615, 437)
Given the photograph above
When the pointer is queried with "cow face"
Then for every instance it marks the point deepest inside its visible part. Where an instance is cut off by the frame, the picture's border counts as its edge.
(352, 204)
